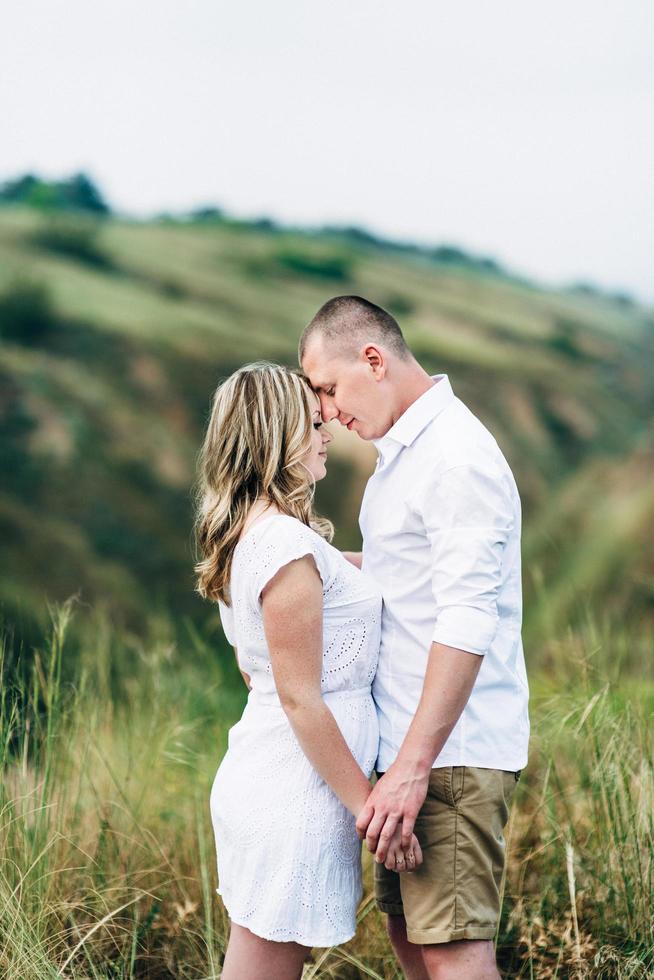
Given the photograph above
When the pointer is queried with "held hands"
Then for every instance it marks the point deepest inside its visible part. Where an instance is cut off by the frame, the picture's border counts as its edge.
(387, 820)
(399, 859)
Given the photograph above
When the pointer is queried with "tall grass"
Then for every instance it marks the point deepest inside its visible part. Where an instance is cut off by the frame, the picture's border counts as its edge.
(580, 886)
(106, 851)
(106, 867)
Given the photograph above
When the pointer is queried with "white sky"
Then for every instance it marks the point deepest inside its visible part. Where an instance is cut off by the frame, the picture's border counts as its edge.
(516, 129)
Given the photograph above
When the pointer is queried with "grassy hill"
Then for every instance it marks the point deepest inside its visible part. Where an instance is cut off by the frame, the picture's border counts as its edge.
(114, 335)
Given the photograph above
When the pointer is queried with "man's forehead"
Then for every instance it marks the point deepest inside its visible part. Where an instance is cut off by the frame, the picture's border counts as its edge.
(320, 365)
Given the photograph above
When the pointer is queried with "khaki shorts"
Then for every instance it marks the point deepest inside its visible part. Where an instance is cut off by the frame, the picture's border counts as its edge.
(454, 894)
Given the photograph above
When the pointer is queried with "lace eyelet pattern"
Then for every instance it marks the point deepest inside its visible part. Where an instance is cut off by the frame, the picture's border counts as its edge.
(287, 850)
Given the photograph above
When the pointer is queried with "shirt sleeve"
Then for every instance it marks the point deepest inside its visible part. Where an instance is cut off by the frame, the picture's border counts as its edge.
(469, 514)
(227, 623)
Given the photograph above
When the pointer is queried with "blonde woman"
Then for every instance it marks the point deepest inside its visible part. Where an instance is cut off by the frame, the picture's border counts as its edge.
(305, 625)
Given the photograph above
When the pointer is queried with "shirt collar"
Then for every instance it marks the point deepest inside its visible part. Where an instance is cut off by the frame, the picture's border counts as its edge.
(417, 416)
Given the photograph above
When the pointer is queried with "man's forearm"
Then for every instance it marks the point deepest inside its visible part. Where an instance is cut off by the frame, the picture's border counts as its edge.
(449, 679)
(398, 796)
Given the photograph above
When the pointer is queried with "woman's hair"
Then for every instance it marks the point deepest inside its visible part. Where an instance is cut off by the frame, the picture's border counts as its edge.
(258, 433)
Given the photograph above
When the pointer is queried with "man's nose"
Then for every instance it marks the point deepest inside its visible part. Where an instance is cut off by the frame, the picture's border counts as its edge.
(328, 412)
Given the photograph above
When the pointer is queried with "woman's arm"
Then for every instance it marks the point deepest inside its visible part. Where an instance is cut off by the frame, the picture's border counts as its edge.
(354, 557)
(292, 620)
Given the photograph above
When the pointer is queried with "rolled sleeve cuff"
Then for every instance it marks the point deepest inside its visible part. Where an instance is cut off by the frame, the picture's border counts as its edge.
(466, 628)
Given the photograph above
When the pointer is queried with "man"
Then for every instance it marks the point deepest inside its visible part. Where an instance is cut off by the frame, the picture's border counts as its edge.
(441, 522)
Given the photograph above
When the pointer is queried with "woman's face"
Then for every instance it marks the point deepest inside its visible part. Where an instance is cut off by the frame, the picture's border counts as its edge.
(316, 459)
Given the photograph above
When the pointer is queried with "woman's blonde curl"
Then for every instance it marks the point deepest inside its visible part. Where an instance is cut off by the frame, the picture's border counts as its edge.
(259, 432)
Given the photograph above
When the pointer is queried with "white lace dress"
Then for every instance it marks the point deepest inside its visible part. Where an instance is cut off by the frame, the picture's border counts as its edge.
(289, 860)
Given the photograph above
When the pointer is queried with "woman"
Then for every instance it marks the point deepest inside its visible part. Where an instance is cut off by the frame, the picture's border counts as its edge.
(305, 624)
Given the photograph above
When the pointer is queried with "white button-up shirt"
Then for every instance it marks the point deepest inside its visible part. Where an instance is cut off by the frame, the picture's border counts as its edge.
(441, 522)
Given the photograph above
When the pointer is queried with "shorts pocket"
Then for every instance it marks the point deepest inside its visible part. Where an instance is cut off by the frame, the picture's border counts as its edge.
(446, 784)
(458, 781)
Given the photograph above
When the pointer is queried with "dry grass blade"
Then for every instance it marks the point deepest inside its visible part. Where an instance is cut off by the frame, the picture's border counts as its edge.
(98, 925)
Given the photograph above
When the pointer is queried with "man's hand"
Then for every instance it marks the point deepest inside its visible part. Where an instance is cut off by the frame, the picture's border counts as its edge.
(394, 802)
(401, 791)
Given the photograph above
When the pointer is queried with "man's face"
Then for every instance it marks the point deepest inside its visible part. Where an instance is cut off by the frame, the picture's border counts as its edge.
(350, 388)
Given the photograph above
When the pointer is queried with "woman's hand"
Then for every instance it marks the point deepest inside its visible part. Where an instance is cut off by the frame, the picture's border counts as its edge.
(398, 859)
(354, 557)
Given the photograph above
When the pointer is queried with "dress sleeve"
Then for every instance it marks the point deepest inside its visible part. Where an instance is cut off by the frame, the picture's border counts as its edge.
(227, 623)
(280, 542)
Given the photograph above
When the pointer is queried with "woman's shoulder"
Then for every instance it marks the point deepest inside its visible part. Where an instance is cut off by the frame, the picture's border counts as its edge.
(275, 527)
(274, 541)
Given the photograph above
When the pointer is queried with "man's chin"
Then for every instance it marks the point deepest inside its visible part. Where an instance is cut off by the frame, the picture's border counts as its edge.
(360, 430)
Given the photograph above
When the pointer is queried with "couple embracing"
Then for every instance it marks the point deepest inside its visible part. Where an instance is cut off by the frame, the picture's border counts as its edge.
(405, 660)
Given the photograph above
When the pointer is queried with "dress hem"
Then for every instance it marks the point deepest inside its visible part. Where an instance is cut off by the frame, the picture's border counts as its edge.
(288, 937)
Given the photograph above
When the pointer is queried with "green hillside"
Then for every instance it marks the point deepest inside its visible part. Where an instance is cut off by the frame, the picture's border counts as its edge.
(113, 337)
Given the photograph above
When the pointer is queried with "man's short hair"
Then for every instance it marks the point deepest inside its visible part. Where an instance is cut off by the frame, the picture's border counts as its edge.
(348, 321)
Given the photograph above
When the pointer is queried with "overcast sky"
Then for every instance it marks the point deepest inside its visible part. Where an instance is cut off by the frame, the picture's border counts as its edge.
(516, 129)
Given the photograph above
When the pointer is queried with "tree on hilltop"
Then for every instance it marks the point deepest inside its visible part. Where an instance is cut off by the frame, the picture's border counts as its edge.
(75, 193)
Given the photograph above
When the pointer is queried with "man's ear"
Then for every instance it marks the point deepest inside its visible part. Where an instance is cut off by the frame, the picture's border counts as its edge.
(376, 360)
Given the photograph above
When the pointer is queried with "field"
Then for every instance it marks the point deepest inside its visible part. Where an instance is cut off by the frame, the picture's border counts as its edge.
(117, 685)
(106, 851)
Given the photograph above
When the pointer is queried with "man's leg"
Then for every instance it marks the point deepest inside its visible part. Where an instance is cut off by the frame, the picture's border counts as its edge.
(467, 959)
(389, 899)
(450, 905)
(409, 955)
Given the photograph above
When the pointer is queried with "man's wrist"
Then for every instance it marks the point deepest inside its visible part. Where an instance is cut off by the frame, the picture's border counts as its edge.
(414, 765)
